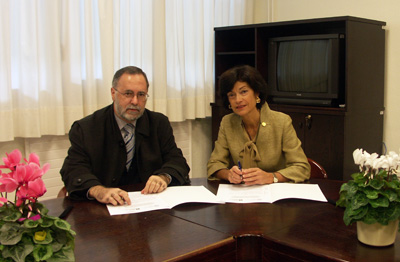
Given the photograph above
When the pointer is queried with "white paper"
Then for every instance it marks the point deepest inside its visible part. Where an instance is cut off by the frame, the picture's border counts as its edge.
(269, 193)
(170, 197)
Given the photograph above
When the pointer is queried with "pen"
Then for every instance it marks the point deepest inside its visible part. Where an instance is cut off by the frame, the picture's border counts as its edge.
(65, 213)
(240, 168)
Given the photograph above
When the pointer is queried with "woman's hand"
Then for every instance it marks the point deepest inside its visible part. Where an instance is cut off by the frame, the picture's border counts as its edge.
(257, 176)
(235, 175)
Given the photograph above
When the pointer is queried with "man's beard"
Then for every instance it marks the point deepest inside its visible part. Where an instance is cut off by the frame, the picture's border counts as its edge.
(130, 117)
(124, 115)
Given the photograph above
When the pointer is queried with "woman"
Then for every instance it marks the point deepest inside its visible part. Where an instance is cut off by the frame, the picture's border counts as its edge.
(255, 144)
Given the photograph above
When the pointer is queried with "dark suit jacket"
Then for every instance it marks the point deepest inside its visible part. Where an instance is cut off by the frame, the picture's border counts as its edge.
(97, 155)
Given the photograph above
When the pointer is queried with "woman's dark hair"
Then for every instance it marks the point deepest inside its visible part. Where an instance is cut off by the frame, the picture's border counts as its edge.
(244, 73)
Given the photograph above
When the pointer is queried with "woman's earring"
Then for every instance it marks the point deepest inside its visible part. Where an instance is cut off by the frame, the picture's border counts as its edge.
(258, 100)
(230, 107)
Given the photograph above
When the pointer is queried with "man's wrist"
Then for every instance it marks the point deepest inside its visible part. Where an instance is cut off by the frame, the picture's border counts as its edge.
(89, 193)
(167, 177)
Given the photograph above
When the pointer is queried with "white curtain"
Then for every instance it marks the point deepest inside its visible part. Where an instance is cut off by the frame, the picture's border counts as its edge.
(58, 57)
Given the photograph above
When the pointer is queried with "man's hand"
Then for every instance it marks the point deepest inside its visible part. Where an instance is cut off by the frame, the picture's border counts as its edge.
(114, 196)
(155, 184)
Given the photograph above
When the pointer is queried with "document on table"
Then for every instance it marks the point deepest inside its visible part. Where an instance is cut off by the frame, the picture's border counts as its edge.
(269, 193)
(170, 197)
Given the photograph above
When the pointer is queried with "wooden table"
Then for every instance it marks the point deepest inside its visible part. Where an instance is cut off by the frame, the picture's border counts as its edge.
(288, 230)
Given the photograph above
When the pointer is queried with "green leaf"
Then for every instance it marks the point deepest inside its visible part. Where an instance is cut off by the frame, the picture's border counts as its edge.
(47, 222)
(390, 195)
(349, 189)
(29, 223)
(353, 215)
(395, 214)
(64, 255)
(347, 219)
(358, 201)
(18, 252)
(384, 215)
(51, 217)
(60, 236)
(371, 193)
(369, 219)
(376, 183)
(56, 246)
(393, 184)
(346, 186)
(42, 252)
(341, 202)
(62, 224)
(11, 233)
(358, 177)
(9, 213)
(379, 202)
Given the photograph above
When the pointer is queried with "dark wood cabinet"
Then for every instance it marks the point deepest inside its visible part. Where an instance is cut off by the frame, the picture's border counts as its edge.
(329, 135)
(321, 131)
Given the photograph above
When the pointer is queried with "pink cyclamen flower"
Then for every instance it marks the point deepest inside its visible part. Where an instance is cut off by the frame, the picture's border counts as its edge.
(25, 178)
(31, 191)
(25, 173)
(12, 160)
(36, 188)
(8, 184)
(33, 158)
(34, 218)
(3, 200)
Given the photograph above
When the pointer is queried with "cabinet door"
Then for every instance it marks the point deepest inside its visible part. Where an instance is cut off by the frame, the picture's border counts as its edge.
(322, 140)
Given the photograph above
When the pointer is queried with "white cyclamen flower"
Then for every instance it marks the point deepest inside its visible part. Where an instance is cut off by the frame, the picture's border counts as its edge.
(370, 158)
(358, 156)
(393, 159)
(380, 163)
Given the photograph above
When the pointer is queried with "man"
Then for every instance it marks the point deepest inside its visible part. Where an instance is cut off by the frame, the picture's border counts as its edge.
(121, 144)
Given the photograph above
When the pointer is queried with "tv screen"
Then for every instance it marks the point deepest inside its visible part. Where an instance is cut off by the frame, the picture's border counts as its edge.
(304, 70)
(303, 66)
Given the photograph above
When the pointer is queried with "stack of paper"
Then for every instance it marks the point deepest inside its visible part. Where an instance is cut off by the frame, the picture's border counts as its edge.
(170, 197)
(269, 193)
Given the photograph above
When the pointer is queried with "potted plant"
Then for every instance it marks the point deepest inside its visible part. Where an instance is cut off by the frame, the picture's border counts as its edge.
(372, 198)
(27, 233)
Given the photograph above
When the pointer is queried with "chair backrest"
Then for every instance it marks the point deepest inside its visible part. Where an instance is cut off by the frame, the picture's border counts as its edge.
(317, 171)
(63, 192)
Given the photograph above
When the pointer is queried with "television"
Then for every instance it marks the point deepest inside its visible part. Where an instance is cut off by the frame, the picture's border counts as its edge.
(306, 70)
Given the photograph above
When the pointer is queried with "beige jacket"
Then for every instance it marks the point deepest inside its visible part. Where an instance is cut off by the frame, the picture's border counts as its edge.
(277, 143)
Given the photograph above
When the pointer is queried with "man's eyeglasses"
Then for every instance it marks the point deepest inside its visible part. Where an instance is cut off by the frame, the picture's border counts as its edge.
(142, 96)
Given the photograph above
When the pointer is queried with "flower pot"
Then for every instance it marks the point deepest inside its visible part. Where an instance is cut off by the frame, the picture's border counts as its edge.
(376, 234)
